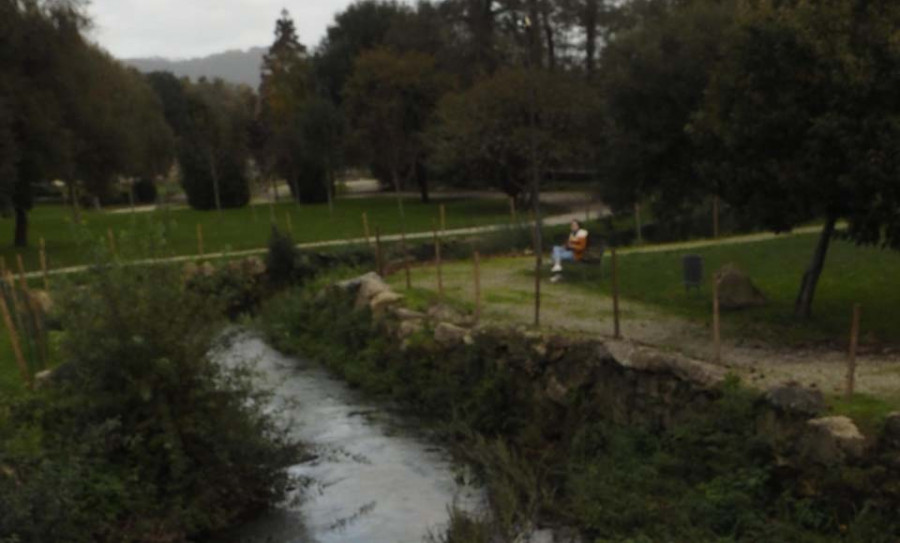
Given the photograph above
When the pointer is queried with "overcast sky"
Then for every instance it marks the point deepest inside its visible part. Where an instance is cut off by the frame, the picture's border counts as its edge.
(191, 28)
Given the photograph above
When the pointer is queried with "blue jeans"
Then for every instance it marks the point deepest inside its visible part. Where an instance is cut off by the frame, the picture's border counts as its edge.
(560, 253)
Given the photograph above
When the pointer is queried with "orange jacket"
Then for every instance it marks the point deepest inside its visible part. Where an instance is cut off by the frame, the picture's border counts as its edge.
(578, 242)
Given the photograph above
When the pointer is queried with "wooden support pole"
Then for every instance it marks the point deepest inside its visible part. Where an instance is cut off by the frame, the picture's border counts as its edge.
(617, 331)
(23, 284)
(717, 325)
(290, 224)
(112, 241)
(365, 217)
(199, 239)
(851, 358)
(379, 256)
(437, 262)
(477, 262)
(14, 341)
(44, 273)
(443, 219)
(405, 257)
(512, 210)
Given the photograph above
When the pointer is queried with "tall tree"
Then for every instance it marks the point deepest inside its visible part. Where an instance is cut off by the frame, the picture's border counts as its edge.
(803, 121)
(388, 100)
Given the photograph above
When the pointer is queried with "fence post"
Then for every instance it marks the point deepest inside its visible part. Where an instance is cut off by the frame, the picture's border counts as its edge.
(14, 341)
(477, 262)
(617, 331)
(405, 256)
(112, 241)
(443, 219)
(290, 224)
(437, 261)
(512, 210)
(44, 265)
(199, 239)
(22, 283)
(379, 261)
(851, 359)
(365, 218)
(717, 325)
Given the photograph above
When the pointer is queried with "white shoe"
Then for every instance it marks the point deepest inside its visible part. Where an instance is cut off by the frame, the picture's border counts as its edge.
(556, 268)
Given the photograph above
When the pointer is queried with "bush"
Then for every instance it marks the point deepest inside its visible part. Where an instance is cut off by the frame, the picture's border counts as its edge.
(144, 191)
(145, 438)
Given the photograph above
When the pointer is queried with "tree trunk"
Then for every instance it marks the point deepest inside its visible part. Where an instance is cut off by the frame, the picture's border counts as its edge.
(73, 196)
(549, 37)
(329, 187)
(803, 305)
(590, 32)
(396, 179)
(422, 180)
(21, 232)
(215, 175)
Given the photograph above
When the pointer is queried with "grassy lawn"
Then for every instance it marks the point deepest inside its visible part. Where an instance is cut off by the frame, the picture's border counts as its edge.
(852, 275)
(236, 229)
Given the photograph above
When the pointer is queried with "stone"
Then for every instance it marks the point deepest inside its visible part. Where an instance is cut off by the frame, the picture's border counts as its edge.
(793, 399)
(382, 301)
(42, 379)
(43, 300)
(370, 285)
(832, 440)
(448, 334)
(645, 359)
(737, 291)
(445, 313)
(405, 314)
(409, 328)
(890, 435)
(556, 391)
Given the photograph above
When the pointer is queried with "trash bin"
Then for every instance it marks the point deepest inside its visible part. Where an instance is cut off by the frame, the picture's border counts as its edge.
(693, 271)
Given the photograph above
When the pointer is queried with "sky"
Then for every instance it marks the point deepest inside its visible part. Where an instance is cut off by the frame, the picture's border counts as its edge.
(181, 29)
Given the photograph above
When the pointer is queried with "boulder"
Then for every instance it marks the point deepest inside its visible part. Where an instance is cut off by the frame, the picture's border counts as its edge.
(448, 335)
(406, 314)
(645, 359)
(793, 399)
(832, 440)
(382, 301)
(42, 300)
(445, 313)
(737, 291)
(409, 328)
(370, 285)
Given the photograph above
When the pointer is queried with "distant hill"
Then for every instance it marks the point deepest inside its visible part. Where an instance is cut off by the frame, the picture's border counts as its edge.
(231, 66)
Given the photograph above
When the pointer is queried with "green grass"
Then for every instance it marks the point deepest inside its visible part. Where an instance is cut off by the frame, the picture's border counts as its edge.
(237, 229)
(852, 275)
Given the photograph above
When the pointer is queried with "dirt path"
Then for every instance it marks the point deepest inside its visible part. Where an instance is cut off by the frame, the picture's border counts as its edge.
(569, 309)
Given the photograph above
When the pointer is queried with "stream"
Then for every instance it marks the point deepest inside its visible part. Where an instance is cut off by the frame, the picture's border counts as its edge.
(373, 479)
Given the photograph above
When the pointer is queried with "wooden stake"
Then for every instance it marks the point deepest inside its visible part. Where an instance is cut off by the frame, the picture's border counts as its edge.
(14, 341)
(44, 265)
(717, 330)
(512, 210)
(22, 283)
(405, 257)
(290, 225)
(112, 241)
(199, 239)
(443, 219)
(437, 262)
(477, 261)
(365, 217)
(617, 332)
(379, 260)
(851, 358)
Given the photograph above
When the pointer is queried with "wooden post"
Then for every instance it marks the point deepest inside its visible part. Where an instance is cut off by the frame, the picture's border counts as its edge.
(290, 225)
(14, 341)
(199, 239)
(437, 262)
(44, 265)
(716, 216)
(22, 283)
(717, 325)
(477, 262)
(637, 224)
(851, 359)
(112, 241)
(405, 257)
(379, 260)
(617, 331)
(443, 219)
(365, 217)
(512, 210)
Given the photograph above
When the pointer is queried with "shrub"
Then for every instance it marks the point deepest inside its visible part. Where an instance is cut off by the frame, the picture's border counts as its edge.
(145, 191)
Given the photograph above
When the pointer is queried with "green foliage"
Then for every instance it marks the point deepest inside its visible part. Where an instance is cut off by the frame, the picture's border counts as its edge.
(141, 437)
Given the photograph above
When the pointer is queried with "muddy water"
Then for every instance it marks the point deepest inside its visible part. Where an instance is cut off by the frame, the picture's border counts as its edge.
(373, 480)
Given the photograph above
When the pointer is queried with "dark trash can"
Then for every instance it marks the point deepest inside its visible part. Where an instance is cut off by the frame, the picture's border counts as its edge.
(693, 271)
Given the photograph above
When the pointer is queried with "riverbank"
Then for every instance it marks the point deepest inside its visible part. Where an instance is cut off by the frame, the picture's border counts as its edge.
(620, 446)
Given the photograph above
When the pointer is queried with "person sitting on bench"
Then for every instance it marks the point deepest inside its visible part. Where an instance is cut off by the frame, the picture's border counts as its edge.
(573, 249)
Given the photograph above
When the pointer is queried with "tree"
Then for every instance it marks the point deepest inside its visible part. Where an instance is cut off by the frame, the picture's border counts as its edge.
(653, 79)
(213, 152)
(802, 120)
(388, 101)
(484, 133)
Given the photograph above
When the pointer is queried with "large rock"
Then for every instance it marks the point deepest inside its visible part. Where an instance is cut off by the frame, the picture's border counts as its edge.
(405, 314)
(383, 301)
(449, 335)
(409, 328)
(42, 300)
(737, 291)
(890, 435)
(832, 440)
(445, 313)
(793, 399)
(370, 286)
(648, 360)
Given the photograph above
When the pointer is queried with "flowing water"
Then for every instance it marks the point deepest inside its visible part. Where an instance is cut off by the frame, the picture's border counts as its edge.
(372, 479)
